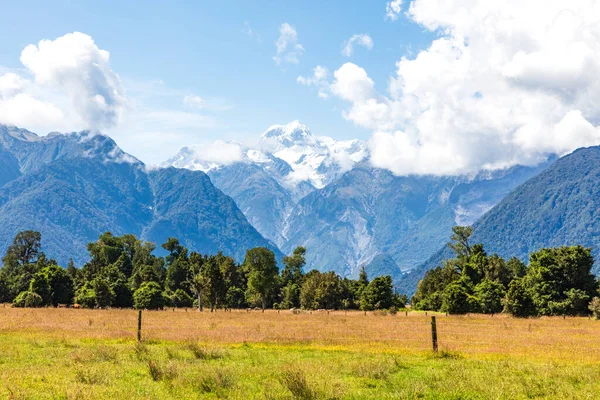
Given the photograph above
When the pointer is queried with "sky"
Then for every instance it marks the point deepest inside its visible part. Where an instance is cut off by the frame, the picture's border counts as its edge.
(434, 86)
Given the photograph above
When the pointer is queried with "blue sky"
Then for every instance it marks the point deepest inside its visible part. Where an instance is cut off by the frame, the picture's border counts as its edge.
(443, 87)
(223, 52)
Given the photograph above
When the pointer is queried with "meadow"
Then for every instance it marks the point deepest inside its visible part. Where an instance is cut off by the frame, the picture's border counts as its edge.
(56, 353)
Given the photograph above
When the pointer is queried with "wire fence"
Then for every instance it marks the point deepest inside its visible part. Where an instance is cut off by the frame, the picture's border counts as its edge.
(571, 337)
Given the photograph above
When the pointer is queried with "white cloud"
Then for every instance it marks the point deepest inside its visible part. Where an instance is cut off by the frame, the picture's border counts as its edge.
(360, 39)
(288, 48)
(505, 83)
(194, 102)
(319, 79)
(353, 84)
(24, 110)
(393, 9)
(74, 64)
(10, 85)
(220, 152)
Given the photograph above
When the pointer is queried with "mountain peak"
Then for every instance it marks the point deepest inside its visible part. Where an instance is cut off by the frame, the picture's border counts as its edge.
(18, 133)
(289, 134)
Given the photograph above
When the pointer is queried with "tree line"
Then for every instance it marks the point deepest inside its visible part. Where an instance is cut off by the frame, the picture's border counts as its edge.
(122, 271)
(557, 281)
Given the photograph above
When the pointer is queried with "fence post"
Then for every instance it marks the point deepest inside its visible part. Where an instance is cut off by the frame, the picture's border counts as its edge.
(139, 325)
(434, 334)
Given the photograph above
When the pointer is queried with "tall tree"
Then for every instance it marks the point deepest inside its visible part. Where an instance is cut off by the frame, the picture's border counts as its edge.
(261, 269)
(24, 249)
(292, 277)
(197, 281)
(460, 241)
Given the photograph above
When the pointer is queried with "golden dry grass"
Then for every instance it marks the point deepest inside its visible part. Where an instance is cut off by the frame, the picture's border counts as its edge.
(93, 354)
(570, 339)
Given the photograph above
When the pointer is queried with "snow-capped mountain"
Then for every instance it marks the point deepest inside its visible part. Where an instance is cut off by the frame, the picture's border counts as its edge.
(290, 153)
(317, 160)
(298, 189)
(268, 180)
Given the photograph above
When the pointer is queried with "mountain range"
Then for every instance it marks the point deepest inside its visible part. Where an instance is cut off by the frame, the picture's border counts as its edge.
(559, 206)
(291, 189)
(300, 189)
(74, 187)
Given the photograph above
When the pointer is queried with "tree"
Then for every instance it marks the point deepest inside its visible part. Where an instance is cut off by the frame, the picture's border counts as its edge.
(553, 274)
(86, 296)
(60, 285)
(518, 299)
(321, 290)
(181, 299)
(292, 277)
(460, 237)
(261, 269)
(149, 296)
(40, 285)
(430, 289)
(122, 295)
(214, 287)
(489, 294)
(292, 270)
(234, 282)
(457, 298)
(379, 294)
(24, 249)
(105, 296)
(197, 282)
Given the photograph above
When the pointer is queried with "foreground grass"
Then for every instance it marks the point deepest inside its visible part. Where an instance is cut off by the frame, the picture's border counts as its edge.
(60, 354)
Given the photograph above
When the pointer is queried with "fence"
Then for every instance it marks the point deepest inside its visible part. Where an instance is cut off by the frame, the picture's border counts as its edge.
(405, 331)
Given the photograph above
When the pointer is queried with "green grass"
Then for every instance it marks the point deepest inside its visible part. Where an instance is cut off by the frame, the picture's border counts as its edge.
(34, 367)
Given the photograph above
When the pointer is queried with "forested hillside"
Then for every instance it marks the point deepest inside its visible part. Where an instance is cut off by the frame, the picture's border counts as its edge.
(73, 187)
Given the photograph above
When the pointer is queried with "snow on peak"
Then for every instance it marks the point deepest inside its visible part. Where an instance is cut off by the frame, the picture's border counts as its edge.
(294, 133)
(316, 160)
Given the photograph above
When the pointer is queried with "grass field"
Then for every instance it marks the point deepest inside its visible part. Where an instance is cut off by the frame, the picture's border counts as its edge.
(93, 354)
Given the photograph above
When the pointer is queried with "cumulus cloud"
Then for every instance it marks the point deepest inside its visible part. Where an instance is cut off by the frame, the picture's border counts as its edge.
(10, 85)
(220, 152)
(360, 39)
(74, 63)
(392, 9)
(319, 78)
(504, 83)
(23, 109)
(288, 48)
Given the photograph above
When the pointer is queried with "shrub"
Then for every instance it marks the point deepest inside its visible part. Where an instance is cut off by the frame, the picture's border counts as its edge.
(160, 373)
(86, 297)
(217, 381)
(295, 381)
(203, 352)
(28, 299)
(594, 307)
(149, 296)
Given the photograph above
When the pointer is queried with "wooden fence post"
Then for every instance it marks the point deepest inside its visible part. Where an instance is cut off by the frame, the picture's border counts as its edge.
(140, 326)
(434, 334)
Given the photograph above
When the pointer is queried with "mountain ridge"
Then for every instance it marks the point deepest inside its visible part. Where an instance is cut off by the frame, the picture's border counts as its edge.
(84, 185)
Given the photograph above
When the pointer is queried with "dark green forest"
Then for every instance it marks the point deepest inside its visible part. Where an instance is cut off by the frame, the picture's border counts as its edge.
(122, 271)
(557, 281)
